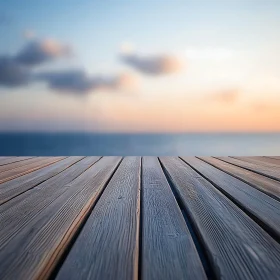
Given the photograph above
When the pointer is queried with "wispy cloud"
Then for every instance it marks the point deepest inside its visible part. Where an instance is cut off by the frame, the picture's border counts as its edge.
(79, 82)
(153, 65)
(16, 70)
(12, 73)
(39, 51)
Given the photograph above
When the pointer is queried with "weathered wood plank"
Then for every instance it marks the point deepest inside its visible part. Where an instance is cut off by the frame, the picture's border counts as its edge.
(19, 163)
(278, 158)
(264, 162)
(269, 186)
(19, 185)
(168, 250)
(35, 250)
(238, 248)
(108, 245)
(268, 160)
(9, 160)
(270, 172)
(265, 209)
(19, 212)
(17, 172)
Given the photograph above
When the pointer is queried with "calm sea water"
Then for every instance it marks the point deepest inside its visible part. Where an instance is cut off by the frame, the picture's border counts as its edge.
(53, 144)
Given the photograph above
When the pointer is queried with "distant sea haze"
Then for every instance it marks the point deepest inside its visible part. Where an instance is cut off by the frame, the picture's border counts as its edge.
(69, 144)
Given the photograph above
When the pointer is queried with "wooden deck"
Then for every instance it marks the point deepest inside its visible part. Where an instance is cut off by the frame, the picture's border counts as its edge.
(140, 218)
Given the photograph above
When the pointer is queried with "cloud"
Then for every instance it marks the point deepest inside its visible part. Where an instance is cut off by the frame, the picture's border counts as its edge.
(225, 96)
(37, 52)
(153, 65)
(77, 81)
(16, 70)
(12, 73)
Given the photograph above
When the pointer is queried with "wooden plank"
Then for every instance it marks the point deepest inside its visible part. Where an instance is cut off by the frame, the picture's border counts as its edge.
(19, 163)
(20, 211)
(108, 245)
(168, 251)
(34, 251)
(270, 172)
(19, 185)
(278, 158)
(264, 162)
(17, 172)
(238, 248)
(268, 160)
(5, 158)
(264, 209)
(269, 186)
(8, 160)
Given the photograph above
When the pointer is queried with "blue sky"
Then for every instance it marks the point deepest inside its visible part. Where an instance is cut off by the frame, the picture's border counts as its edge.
(96, 28)
(248, 31)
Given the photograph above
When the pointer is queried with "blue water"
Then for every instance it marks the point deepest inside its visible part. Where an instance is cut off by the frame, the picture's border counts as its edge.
(53, 144)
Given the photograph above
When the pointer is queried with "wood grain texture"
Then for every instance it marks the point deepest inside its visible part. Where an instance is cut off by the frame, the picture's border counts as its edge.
(20, 163)
(108, 245)
(22, 170)
(238, 248)
(265, 209)
(93, 204)
(278, 158)
(8, 160)
(34, 252)
(19, 185)
(268, 160)
(269, 186)
(19, 212)
(168, 251)
(271, 172)
(264, 162)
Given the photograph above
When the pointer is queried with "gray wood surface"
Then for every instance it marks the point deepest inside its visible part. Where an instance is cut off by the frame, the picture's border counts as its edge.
(265, 162)
(268, 160)
(20, 211)
(168, 251)
(20, 163)
(34, 252)
(238, 248)
(108, 245)
(114, 218)
(264, 208)
(267, 185)
(272, 172)
(21, 184)
(278, 158)
(27, 168)
(8, 160)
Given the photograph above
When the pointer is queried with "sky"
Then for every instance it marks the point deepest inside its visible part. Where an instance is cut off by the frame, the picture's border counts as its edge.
(140, 66)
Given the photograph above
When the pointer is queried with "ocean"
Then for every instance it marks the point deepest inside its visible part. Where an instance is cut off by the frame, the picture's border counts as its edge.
(69, 144)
